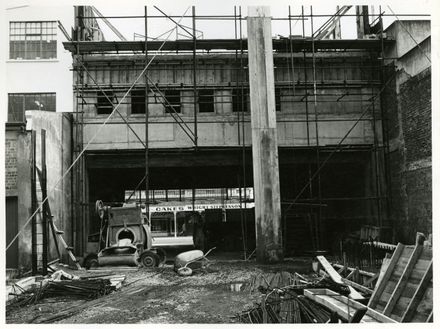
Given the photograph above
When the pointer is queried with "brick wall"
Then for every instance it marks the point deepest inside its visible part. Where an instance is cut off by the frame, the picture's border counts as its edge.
(415, 104)
(410, 160)
(10, 164)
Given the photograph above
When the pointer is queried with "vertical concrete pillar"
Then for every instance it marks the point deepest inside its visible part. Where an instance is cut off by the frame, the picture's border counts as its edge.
(264, 136)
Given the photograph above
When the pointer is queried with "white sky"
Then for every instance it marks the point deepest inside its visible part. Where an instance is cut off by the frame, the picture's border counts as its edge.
(225, 29)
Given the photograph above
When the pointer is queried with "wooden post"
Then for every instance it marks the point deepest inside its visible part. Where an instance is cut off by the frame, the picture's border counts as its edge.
(34, 202)
(43, 196)
(264, 136)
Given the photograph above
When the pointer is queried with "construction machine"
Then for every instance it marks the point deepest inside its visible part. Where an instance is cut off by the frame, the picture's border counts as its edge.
(124, 239)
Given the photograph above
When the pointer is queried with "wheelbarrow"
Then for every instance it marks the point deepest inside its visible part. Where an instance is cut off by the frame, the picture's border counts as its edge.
(195, 258)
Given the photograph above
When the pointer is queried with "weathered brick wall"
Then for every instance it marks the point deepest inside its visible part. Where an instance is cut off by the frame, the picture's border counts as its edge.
(410, 160)
(10, 164)
(415, 104)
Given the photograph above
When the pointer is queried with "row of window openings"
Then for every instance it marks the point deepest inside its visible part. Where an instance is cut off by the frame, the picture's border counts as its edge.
(32, 40)
(172, 101)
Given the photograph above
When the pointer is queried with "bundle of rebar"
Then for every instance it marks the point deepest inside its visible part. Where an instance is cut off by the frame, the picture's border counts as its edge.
(284, 306)
(88, 289)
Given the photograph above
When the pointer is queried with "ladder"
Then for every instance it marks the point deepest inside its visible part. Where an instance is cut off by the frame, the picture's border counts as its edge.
(69, 250)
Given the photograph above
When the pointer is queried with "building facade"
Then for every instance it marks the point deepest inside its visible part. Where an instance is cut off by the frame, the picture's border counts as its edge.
(174, 116)
(39, 96)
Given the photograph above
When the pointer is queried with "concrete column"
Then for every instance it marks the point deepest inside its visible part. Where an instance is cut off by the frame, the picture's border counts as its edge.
(264, 136)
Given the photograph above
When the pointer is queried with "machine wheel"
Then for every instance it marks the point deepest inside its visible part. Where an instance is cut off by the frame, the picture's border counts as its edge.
(184, 271)
(91, 261)
(149, 259)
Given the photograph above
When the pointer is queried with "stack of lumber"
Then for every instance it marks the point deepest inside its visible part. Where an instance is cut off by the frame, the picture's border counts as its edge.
(404, 288)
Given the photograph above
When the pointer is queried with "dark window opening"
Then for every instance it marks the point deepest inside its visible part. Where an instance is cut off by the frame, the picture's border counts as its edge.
(32, 40)
(103, 106)
(240, 100)
(277, 99)
(19, 103)
(172, 101)
(138, 102)
(206, 100)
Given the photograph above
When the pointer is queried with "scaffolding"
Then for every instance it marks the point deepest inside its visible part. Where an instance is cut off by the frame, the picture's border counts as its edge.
(305, 69)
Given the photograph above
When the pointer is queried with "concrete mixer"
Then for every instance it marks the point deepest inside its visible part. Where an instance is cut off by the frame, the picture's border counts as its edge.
(124, 239)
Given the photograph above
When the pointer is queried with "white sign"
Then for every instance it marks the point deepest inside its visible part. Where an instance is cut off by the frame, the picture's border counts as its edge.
(200, 207)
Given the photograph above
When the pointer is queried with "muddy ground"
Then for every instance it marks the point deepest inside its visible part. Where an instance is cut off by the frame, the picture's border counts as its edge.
(159, 295)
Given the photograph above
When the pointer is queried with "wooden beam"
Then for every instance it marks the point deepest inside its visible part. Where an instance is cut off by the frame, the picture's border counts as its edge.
(379, 317)
(348, 277)
(336, 277)
(415, 300)
(361, 272)
(358, 315)
(381, 285)
(345, 307)
(401, 284)
(357, 286)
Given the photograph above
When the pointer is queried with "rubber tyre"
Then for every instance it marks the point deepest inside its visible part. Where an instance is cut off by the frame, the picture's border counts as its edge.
(91, 261)
(149, 259)
(185, 271)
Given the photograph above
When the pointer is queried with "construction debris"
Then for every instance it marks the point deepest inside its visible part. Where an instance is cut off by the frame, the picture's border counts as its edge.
(404, 290)
(285, 306)
(337, 278)
(61, 284)
(346, 308)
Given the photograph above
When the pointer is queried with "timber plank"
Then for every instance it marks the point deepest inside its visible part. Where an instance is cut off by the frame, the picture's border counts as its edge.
(379, 317)
(401, 284)
(421, 289)
(336, 277)
(345, 307)
(387, 274)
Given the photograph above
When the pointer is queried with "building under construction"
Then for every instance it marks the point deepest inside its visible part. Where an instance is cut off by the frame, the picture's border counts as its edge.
(310, 139)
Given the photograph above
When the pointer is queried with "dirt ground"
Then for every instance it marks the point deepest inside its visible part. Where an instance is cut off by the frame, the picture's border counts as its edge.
(159, 295)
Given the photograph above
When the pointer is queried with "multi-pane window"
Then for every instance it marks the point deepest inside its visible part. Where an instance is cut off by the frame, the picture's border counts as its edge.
(104, 102)
(240, 99)
(137, 101)
(19, 103)
(172, 101)
(32, 40)
(206, 100)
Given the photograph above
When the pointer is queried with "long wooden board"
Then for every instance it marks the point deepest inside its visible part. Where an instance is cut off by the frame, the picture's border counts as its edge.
(336, 277)
(345, 307)
(404, 289)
